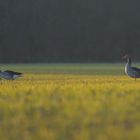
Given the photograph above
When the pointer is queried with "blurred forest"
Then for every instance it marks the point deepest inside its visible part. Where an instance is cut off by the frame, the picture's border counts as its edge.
(69, 31)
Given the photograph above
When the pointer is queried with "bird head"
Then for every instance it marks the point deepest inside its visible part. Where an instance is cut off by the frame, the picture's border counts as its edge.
(126, 56)
(128, 59)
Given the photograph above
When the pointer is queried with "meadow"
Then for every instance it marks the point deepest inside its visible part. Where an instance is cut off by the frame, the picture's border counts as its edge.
(69, 102)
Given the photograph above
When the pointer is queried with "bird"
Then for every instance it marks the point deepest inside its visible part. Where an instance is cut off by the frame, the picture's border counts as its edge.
(10, 75)
(132, 72)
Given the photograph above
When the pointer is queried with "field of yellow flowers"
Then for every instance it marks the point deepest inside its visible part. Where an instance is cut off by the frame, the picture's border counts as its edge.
(70, 102)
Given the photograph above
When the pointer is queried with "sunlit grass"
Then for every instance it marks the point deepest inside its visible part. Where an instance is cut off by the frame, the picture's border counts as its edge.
(66, 106)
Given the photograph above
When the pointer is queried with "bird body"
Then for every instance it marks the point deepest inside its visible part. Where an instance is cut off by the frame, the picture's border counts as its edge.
(131, 71)
(9, 75)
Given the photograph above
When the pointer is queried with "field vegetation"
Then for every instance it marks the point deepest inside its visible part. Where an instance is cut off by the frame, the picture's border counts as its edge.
(70, 102)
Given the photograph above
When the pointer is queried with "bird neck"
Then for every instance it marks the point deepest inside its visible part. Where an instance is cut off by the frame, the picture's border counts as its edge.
(129, 61)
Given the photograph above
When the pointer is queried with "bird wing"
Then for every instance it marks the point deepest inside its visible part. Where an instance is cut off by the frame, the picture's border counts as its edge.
(12, 72)
(136, 69)
(5, 75)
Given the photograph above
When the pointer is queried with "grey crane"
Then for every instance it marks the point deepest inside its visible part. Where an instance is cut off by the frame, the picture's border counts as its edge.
(9, 75)
(133, 72)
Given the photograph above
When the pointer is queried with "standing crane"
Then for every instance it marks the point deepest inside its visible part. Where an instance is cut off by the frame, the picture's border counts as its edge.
(133, 72)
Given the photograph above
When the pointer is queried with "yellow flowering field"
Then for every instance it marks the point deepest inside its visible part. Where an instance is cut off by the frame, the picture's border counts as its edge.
(70, 103)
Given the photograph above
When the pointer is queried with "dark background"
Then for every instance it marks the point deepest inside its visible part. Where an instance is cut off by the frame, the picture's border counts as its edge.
(69, 30)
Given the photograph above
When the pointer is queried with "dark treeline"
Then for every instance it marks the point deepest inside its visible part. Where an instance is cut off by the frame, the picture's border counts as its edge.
(69, 31)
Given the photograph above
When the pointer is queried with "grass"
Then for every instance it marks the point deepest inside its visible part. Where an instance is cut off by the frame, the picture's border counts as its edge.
(70, 102)
(64, 68)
